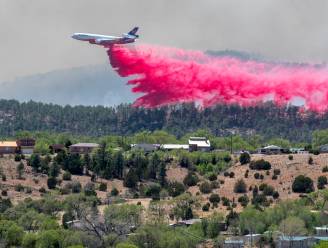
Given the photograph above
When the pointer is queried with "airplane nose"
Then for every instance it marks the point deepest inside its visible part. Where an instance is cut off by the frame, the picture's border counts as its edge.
(74, 36)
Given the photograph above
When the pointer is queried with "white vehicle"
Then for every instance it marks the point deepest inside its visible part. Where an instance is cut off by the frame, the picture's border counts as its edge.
(106, 40)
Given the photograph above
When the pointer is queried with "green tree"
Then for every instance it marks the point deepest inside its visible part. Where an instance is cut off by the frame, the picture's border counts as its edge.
(244, 158)
(49, 239)
(131, 179)
(292, 226)
(35, 162)
(302, 184)
(240, 186)
(20, 170)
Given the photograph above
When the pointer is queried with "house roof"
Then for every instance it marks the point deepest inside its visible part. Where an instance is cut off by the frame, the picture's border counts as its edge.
(294, 238)
(174, 146)
(272, 147)
(199, 141)
(230, 241)
(85, 145)
(8, 144)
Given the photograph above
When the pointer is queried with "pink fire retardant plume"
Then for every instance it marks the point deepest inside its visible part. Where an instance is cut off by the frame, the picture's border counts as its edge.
(169, 75)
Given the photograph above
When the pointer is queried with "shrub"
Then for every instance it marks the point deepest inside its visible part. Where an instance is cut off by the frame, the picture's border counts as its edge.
(310, 161)
(42, 190)
(268, 190)
(275, 195)
(3, 177)
(51, 182)
(256, 175)
(175, 189)
(153, 191)
(4, 192)
(262, 186)
(261, 177)
(67, 176)
(290, 157)
(267, 173)
(205, 188)
(19, 188)
(260, 199)
(302, 184)
(28, 190)
(212, 177)
(243, 200)
(190, 179)
(325, 169)
(232, 174)
(274, 177)
(240, 186)
(76, 187)
(276, 172)
(214, 198)
(206, 207)
(18, 158)
(65, 190)
(89, 189)
(226, 174)
(322, 182)
(114, 192)
(246, 174)
(260, 165)
(103, 187)
(225, 202)
(244, 158)
(215, 185)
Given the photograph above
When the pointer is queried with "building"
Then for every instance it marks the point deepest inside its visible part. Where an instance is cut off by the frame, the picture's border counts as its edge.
(170, 147)
(145, 147)
(322, 231)
(323, 148)
(55, 148)
(271, 149)
(83, 148)
(298, 150)
(8, 147)
(26, 145)
(233, 243)
(199, 144)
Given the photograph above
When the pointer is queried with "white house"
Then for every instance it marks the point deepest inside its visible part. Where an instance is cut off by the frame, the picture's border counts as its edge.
(199, 144)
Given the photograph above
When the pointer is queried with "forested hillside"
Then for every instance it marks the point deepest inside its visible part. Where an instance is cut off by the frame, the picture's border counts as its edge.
(266, 120)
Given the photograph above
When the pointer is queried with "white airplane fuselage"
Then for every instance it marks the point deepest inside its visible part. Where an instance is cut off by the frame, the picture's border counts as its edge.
(104, 40)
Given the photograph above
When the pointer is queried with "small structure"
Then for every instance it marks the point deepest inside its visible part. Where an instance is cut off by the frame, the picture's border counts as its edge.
(199, 144)
(55, 148)
(298, 151)
(145, 147)
(230, 243)
(170, 147)
(8, 147)
(26, 145)
(83, 148)
(322, 231)
(295, 242)
(323, 148)
(252, 238)
(270, 149)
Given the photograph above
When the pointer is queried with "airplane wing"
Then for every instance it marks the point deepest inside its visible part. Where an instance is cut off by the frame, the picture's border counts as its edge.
(105, 41)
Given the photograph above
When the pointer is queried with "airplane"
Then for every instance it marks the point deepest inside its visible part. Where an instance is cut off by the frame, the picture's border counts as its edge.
(105, 40)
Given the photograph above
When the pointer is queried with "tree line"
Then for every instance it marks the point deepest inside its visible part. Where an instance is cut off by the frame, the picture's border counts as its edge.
(266, 120)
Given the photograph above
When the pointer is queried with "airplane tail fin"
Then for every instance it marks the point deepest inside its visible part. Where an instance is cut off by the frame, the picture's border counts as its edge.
(134, 31)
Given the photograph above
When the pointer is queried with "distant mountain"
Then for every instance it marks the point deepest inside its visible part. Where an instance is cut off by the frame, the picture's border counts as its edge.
(88, 85)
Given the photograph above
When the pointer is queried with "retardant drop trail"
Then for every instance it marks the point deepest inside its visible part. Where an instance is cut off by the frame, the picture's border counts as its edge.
(169, 75)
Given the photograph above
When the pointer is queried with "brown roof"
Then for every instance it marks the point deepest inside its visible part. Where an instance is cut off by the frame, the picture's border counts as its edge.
(8, 144)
